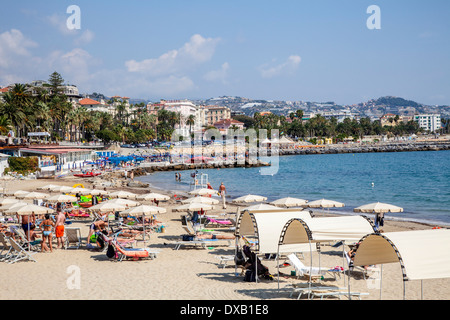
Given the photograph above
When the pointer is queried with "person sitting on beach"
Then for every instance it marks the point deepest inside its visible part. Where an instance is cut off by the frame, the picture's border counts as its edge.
(97, 226)
(26, 223)
(46, 226)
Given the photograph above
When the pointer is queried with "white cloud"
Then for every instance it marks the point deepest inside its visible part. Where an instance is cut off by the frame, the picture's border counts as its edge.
(85, 38)
(12, 44)
(284, 68)
(60, 23)
(198, 50)
(218, 75)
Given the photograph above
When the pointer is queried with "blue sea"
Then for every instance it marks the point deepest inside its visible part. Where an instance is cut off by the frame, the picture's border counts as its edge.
(419, 182)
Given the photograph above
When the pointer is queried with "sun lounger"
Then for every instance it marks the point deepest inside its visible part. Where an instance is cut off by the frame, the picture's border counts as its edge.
(18, 253)
(73, 236)
(193, 241)
(339, 294)
(134, 253)
(302, 270)
(5, 247)
(223, 260)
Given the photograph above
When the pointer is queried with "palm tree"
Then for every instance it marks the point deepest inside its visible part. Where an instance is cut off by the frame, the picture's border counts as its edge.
(190, 122)
(13, 111)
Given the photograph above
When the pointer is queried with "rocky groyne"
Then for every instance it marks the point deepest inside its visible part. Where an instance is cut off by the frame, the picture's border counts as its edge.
(394, 147)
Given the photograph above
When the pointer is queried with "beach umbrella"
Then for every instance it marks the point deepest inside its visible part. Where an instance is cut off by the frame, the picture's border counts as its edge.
(20, 193)
(194, 207)
(203, 192)
(13, 205)
(79, 190)
(324, 203)
(98, 192)
(143, 210)
(249, 198)
(48, 187)
(124, 202)
(200, 200)
(28, 209)
(61, 198)
(378, 207)
(261, 207)
(35, 195)
(123, 194)
(63, 189)
(153, 196)
(7, 201)
(289, 202)
(107, 207)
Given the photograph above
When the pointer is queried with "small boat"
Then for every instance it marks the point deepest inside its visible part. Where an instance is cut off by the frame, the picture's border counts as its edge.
(87, 175)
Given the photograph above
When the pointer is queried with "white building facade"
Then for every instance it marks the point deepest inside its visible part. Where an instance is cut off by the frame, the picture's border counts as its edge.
(429, 122)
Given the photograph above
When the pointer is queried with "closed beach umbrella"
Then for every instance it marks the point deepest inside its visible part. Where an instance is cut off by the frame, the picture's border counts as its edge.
(324, 203)
(249, 198)
(194, 207)
(289, 202)
(123, 195)
(378, 207)
(203, 192)
(201, 200)
(153, 196)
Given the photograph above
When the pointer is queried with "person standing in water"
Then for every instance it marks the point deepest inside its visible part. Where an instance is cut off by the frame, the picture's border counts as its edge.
(223, 191)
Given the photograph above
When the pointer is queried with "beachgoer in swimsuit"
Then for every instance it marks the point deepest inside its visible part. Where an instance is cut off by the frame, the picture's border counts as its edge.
(46, 226)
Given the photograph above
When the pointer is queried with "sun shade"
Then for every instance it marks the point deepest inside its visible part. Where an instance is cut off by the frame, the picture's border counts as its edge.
(423, 254)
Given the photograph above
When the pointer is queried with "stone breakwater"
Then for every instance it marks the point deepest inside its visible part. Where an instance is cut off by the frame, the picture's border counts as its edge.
(394, 147)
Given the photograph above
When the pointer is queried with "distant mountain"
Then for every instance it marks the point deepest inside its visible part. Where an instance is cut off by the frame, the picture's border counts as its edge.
(395, 102)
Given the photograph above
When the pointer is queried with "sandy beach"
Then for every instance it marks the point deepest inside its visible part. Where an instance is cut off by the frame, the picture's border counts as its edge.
(187, 273)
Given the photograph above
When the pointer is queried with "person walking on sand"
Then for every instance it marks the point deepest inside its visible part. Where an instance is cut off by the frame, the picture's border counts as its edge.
(59, 229)
(46, 227)
(223, 191)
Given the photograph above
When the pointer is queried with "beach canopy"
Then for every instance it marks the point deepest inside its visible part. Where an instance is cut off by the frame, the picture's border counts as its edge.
(206, 200)
(83, 191)
(345, 228)
(48, 187)
(143, 210)
(267, 226)
(289, 202)
(203, 192)
(13, 205)
(28, 209)
(153, 196)
(324, 203)
(97, 192)
(423, 254)
(249, 198)
(18, 193)
(194, 207)
(378, 207)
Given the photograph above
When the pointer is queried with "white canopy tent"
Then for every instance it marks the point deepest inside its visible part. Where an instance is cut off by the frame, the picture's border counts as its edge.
(422, 254)
(316, 230)
(266, 226)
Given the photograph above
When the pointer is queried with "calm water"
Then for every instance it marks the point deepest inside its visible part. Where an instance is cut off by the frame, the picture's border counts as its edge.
(417, 181)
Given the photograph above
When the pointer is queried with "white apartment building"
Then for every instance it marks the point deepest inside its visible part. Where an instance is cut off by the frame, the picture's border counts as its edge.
(429, 122)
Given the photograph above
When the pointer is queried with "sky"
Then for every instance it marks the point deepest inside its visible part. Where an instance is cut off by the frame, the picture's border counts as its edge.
(323, 50)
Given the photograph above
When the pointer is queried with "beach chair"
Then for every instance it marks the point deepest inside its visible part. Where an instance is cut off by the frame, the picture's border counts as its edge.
(366, 272)
(72, 236)
(5, 247)
(23, 241)
(18, 253)
(190, 239)
(303, 270)
(130, 253)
